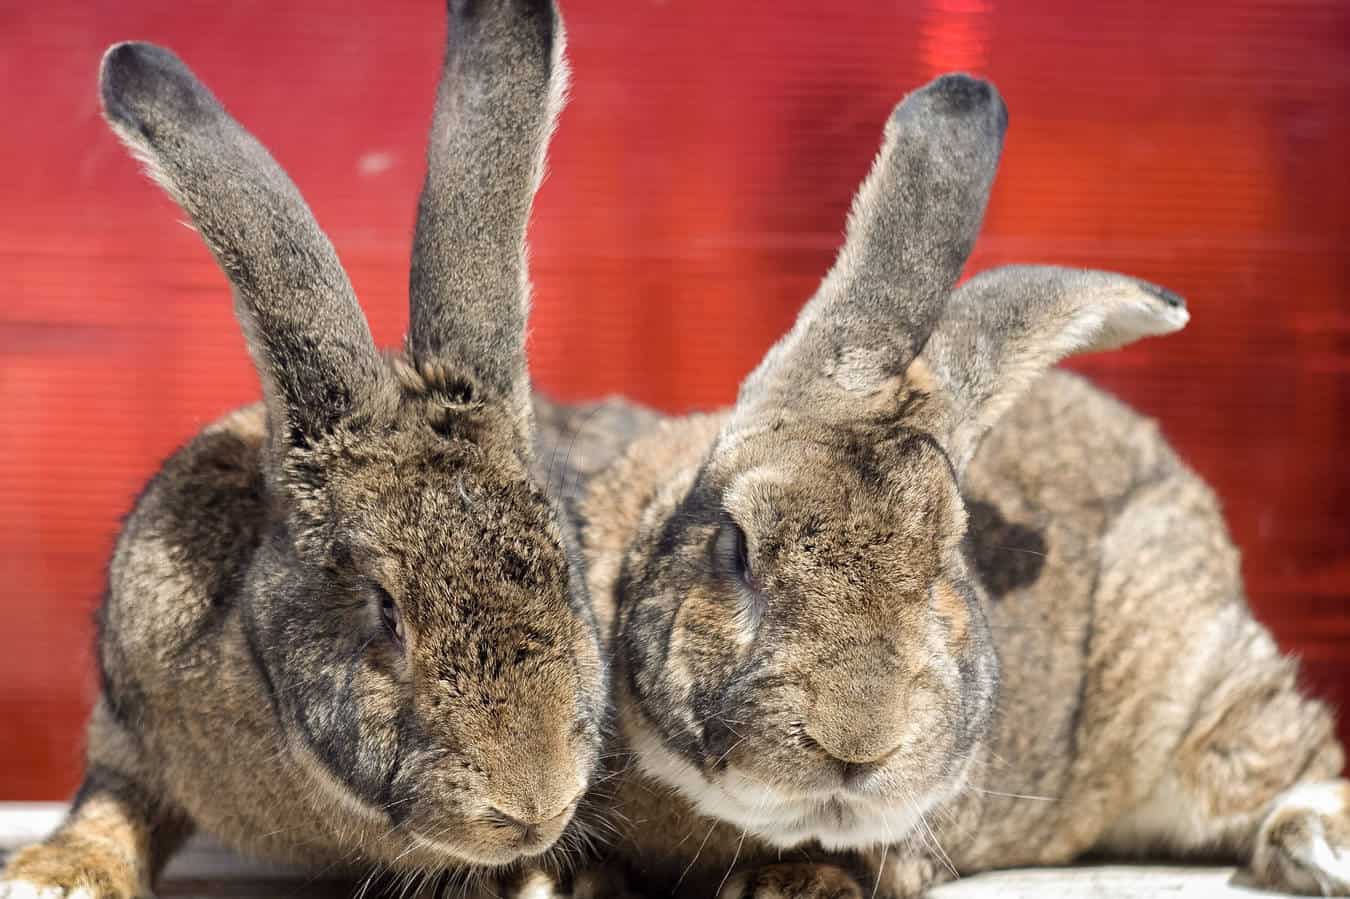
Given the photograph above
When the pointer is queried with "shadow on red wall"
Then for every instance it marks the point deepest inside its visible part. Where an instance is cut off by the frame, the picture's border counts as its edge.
(697, 191)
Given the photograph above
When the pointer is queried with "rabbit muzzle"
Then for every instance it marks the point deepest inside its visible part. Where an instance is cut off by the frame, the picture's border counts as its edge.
(490, 834)
(842, 810)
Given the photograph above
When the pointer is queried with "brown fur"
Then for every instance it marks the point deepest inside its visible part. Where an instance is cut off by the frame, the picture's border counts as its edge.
(343, 626)
(1081, 680)
(831, 648)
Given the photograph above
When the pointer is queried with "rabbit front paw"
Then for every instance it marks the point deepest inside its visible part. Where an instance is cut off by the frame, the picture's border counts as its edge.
(1304, 844)
(594, 882)
(793, 881)
(70, 869)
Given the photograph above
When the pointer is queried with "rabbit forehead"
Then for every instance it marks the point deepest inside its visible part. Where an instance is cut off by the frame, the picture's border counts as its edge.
(457, 532)
(403, 487)
(868, 484)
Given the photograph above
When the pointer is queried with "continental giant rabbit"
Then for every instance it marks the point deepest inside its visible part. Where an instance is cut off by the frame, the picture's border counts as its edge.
(342, 628)
(916, 607)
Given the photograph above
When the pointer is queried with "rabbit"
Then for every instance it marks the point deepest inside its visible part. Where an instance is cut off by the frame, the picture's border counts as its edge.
(917, 606)
(343, 628)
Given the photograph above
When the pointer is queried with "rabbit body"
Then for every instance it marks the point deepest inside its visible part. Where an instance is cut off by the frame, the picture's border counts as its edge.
(344, 627)
(1141, 709)
(913, 607)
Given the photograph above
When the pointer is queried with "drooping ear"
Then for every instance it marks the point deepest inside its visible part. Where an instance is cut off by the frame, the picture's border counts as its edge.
(1005, 327)
(305, 330)
(911, 228)
(501, 89)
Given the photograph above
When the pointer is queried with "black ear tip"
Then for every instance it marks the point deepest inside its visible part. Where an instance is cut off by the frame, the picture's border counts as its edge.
(464, 13)
(138, 81)
(958, 93)
(130, 64)
(128, 71)
(1175, 300)
(962, 92)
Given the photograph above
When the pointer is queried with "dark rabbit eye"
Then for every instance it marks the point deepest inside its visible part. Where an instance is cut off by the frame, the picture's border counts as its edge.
(390, 614)
(730, 553)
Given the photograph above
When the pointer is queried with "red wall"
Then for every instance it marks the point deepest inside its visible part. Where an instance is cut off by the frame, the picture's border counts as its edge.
(697, 190)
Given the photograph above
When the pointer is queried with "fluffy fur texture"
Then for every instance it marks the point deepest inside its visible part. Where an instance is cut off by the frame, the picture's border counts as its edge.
(915, 607)
(342, 627)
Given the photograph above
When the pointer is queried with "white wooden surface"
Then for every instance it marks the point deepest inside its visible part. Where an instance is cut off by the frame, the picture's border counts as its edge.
(207, 871)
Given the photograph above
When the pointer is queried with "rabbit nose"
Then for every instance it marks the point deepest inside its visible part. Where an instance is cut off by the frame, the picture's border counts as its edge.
(531, 828)
(534, 816)
(857, 775)
(855, 759)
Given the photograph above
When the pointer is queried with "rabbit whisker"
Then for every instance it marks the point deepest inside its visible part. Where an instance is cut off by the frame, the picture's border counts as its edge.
(1020, 549)
(881, 867)
(1016, 795)
(936, 844)
(689, 867)
(731, 867)
(723, 756)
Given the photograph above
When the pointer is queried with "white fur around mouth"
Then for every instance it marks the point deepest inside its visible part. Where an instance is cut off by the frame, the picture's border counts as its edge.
(839, 823)
(837, 820)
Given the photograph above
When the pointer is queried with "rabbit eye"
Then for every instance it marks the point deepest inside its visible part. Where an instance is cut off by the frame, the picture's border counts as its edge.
(390, 614)
(731, 554)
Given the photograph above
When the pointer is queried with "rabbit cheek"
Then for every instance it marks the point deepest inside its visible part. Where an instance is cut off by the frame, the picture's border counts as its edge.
(954, 614)
(970, 667)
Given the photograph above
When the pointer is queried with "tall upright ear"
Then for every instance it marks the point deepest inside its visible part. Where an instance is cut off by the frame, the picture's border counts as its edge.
(911, 228)
(305, 330)
(1005, 327)
(501, 89)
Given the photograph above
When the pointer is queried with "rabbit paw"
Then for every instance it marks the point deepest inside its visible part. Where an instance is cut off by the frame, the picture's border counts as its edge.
(1304, 844)
(595, 882)
(602, 882)
(793, 881)
(69, 870)
(529, 884)
(909, 876)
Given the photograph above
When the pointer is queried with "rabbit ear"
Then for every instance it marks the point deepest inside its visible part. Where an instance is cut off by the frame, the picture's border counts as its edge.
(1005, 327)
(305, 330)
(913, 223)
(500, 93)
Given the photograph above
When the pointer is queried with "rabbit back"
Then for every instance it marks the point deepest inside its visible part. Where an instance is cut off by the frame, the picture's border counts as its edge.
(178, 665)
(1100, 684)
(1114, 588)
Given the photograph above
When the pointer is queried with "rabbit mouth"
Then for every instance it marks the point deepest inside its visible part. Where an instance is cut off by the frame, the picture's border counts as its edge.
(838, 818)
(838, 821)
(482, 853)
(843, 823)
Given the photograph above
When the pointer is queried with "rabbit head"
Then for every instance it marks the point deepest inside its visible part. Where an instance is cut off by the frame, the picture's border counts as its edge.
(422, 632)
(803, 648)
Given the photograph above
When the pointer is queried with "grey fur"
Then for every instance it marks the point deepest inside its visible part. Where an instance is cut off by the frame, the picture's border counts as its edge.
(305, 329)
(344, 630)
(912, 225)
(836, 670)
(499, 97)
(1004, 328)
